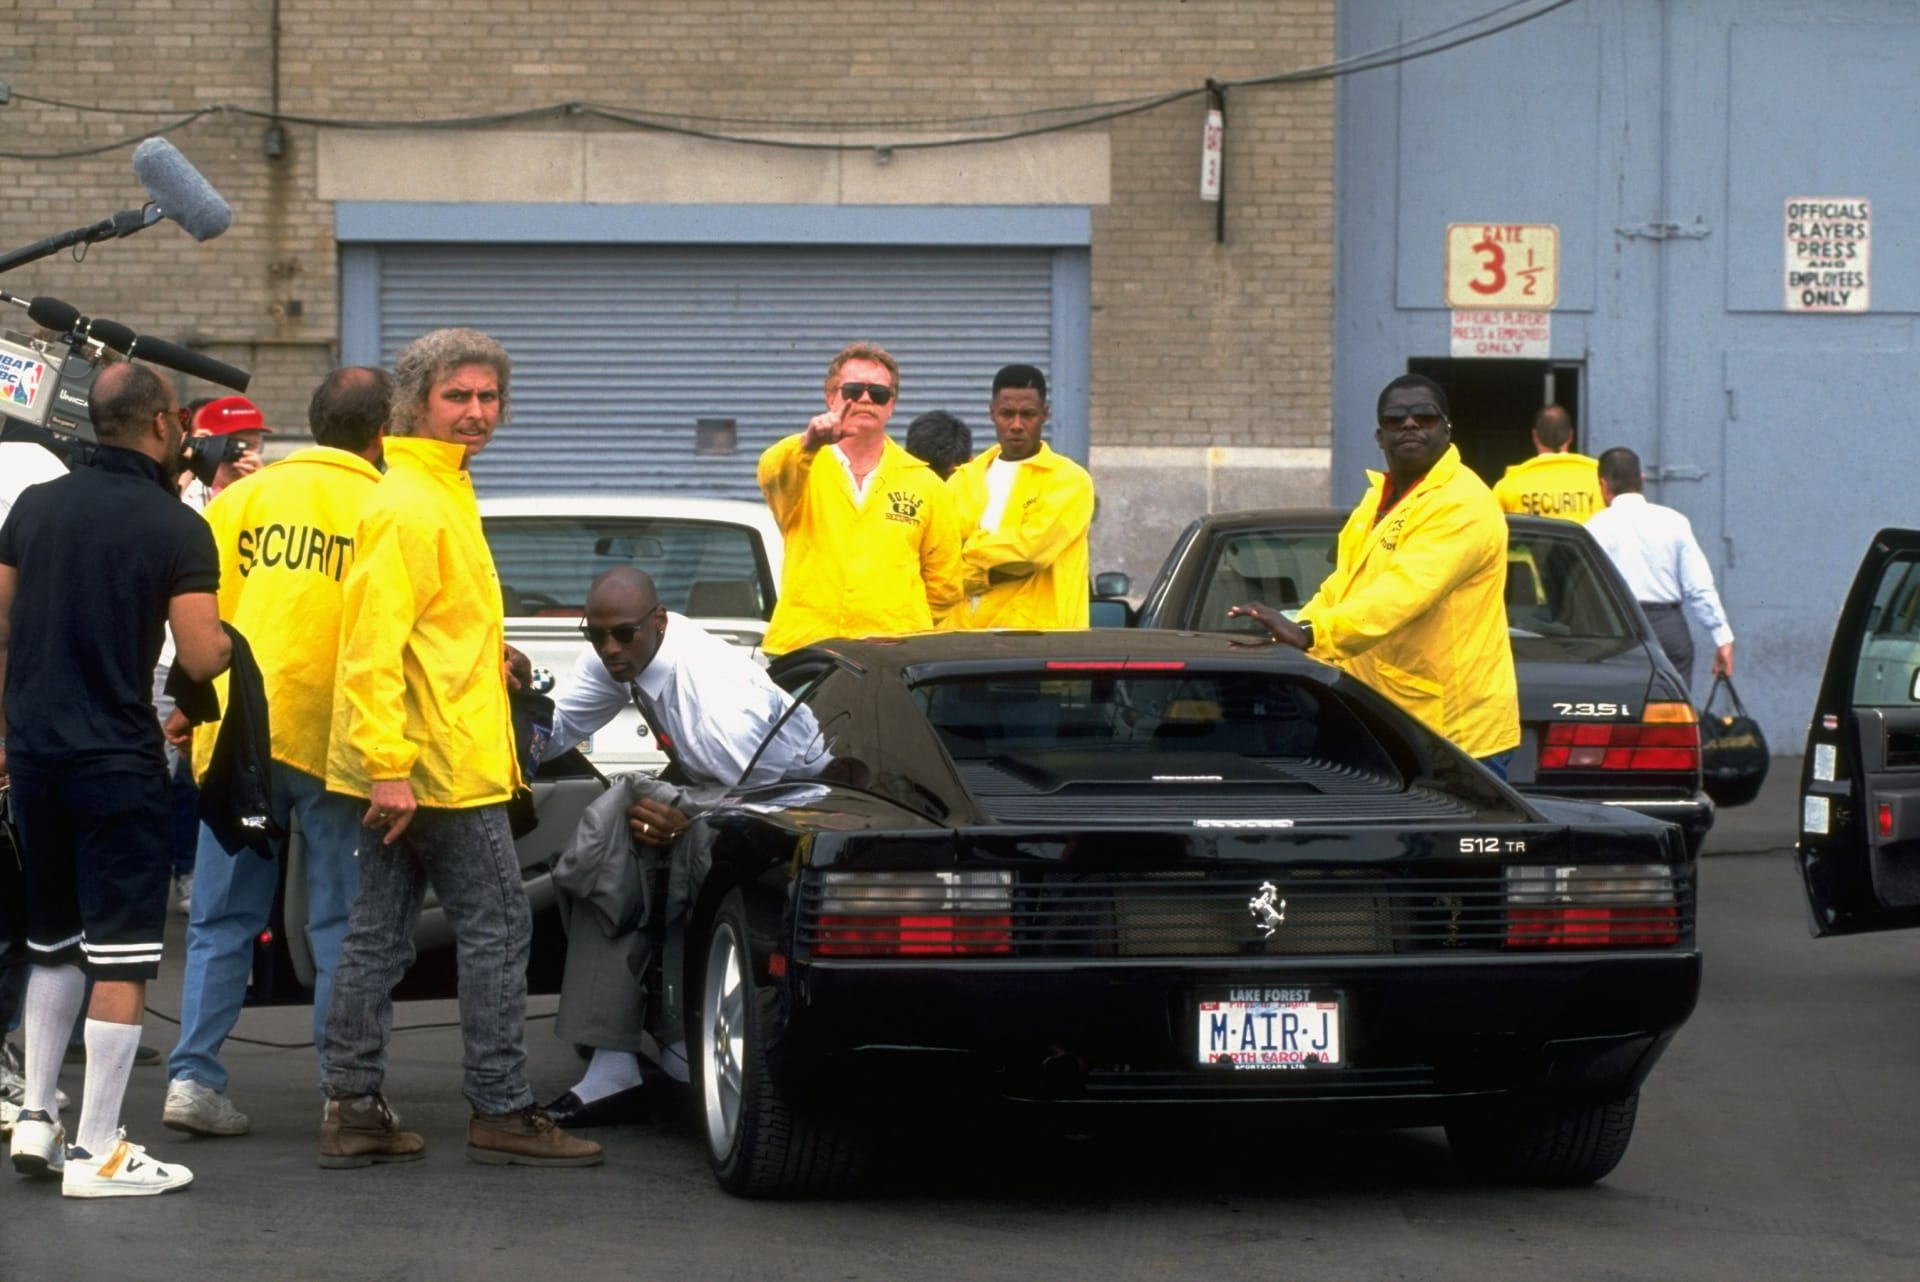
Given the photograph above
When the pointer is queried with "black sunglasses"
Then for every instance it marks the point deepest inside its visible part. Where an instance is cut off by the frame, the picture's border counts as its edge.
(1423, 416)
(624, 633)
(880, 392)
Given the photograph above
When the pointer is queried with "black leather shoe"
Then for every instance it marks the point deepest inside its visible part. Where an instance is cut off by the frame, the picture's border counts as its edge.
(622, 1108)
(144, 1057)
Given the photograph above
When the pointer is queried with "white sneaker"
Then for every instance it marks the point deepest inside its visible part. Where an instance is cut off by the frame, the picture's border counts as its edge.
(13, 1085)
(200, 1110)
(182, 894)
(8, 1111)
(127, 1171)
(39, 1144)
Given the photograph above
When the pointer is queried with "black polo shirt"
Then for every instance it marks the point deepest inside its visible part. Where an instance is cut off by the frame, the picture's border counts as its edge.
(99, 553)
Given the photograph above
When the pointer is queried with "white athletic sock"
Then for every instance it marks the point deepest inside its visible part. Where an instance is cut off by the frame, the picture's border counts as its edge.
(110, 1052)
(54, 994)
(608, 1073)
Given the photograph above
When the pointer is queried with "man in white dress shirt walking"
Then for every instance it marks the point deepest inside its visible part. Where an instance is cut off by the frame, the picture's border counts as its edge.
(712, 708)
(1654, 549)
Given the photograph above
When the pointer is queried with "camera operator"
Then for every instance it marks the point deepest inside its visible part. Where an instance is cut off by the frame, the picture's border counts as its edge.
(230, 428)
(94, 566)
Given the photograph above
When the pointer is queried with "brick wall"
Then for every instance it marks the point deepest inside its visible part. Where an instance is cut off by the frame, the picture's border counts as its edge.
(1194, 342)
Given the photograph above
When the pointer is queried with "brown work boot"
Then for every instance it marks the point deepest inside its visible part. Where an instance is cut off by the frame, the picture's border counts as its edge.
(359, 1130)
(526, 1137)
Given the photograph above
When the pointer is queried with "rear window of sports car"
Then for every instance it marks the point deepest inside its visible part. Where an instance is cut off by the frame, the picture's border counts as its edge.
(703, 569)
(1251, 714)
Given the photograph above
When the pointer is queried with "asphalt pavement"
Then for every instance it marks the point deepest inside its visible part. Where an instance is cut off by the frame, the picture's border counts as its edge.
(1774, 1142)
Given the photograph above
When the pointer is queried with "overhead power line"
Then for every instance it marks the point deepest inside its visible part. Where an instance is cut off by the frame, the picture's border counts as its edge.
(963, 130)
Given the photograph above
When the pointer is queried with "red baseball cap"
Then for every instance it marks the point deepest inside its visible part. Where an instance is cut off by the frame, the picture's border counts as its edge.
(228, 415)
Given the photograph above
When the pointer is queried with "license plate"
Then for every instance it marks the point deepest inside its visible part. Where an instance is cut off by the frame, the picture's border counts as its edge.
(1270, 1028)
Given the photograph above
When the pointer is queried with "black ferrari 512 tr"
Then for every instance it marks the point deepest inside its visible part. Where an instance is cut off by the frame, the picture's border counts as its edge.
(1132, 869)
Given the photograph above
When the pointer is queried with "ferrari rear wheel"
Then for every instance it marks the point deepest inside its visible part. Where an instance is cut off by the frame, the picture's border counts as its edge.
(1564, 1144)
(759, 1144)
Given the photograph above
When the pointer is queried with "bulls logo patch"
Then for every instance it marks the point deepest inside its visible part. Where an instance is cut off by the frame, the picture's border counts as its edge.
(905, 505)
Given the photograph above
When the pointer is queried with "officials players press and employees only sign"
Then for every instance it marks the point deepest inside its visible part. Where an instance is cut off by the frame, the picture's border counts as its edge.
(1827, 242)
(1511, 335)
(1502, 281)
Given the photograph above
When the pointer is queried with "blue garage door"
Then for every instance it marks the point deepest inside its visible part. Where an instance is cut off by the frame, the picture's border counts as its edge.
(620, 351)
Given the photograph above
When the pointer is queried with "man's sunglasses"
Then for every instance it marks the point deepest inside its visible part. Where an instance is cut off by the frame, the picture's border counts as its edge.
(880, 392)
(1423, 416)
(623, 633)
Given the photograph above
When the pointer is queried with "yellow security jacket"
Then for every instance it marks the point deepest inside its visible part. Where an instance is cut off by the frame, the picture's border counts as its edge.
(1032, 571)
(1560, 485)
(422, 692)
(1416, 607)
(888, 566)
(286, 539)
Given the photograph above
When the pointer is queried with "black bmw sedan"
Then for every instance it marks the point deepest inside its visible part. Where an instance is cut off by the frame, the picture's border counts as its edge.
(1604, 716)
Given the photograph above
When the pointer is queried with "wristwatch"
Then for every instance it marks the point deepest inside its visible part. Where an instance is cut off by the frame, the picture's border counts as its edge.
(1306, 626)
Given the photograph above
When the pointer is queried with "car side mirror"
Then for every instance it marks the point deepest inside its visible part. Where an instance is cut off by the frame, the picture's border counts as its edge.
(1111, 583)
(1109, 612)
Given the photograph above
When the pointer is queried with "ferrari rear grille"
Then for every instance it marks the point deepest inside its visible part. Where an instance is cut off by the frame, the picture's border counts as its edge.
(1220, 913)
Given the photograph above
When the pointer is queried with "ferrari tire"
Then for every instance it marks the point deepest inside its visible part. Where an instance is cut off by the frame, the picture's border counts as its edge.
(1561, 1144)
(758, 1143)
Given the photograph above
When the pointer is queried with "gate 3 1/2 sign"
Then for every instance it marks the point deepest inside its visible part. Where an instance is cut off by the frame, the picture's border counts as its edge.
(1502, 265)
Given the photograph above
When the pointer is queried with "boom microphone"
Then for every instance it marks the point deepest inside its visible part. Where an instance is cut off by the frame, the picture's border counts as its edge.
(179, 191)
(52, 313)
(112, 334)
(187, 361)
(63, 317)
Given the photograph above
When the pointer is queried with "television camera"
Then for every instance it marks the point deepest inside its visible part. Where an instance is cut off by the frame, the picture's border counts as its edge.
(46, 383)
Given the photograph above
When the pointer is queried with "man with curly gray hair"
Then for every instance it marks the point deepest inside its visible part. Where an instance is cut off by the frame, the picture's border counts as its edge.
(431, 357)
(422, 732)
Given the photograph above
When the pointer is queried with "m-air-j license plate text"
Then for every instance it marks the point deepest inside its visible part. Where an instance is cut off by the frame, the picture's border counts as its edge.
(1269, 1028)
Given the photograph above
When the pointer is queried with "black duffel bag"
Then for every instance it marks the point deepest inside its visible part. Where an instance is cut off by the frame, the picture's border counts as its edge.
(1733, 751)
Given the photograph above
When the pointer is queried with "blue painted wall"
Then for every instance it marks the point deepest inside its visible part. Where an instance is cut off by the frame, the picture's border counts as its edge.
(1783, 436)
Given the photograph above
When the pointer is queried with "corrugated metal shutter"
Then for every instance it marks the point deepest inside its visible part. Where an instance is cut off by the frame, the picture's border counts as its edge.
(618, 350)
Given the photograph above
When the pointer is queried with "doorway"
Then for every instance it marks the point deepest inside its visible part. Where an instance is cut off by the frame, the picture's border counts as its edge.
(1493, 403)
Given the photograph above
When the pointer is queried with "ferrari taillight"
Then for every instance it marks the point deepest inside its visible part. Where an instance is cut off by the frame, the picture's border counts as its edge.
(1667, 738)
(928, 913)
(882, 936)
(1592, 906)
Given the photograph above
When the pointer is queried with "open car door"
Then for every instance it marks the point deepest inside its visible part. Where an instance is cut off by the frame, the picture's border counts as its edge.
(1859, 847)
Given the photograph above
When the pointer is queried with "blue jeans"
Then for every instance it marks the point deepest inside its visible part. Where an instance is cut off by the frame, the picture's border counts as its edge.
(1499, 762)
(467, 857)
(232, 900)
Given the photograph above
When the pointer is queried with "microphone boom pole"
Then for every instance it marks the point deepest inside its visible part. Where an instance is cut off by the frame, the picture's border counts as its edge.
(124, 223)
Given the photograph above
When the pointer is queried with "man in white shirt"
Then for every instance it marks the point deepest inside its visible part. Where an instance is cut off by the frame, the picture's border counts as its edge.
(712, 708)
(1654, 549)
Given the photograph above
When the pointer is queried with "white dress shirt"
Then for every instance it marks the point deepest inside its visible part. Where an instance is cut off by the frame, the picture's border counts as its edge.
(709, 698)
(1655, 551)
